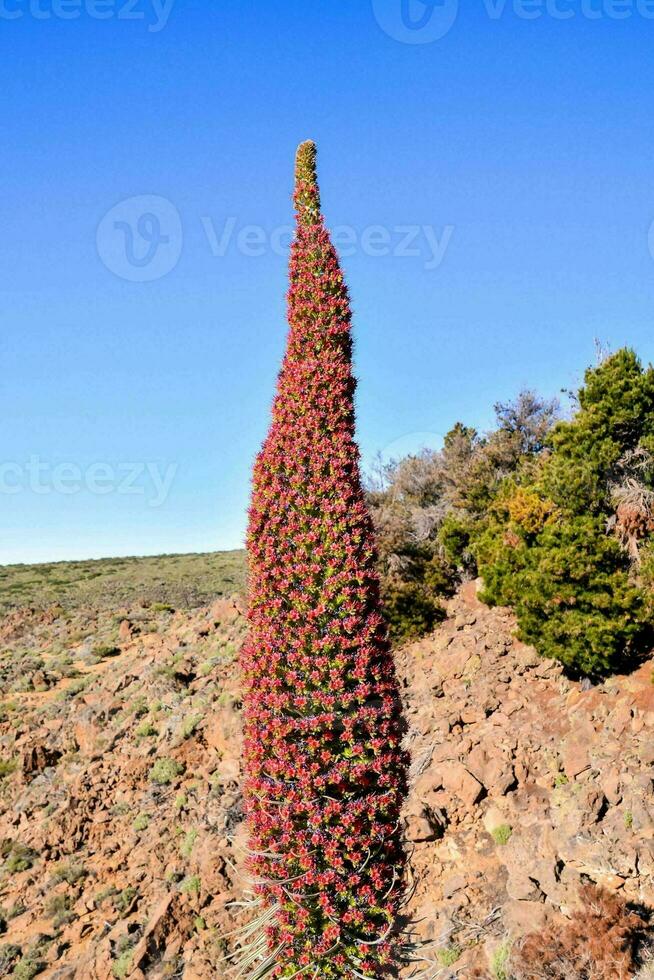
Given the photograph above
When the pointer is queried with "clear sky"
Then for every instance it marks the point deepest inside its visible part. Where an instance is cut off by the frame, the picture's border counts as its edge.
(147, 157)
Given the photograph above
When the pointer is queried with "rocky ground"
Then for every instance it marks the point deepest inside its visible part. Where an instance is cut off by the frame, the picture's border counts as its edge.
(120, 818)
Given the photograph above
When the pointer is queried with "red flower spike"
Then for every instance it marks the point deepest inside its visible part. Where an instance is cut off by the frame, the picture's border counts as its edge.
(325, 773)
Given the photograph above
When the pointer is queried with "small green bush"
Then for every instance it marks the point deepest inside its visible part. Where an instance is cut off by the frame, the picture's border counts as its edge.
(69, 871)
(162, 607)
(189, 725)
(58, 908)
(142, 822)
(122, 964)
(103, 651)
(123, 900)
(7, 767)
(191, 885)
(9, 954)
(28, 968)
(410, 610)
(186, 848)
(146, 730)
(164, 771)
(448, 956)
(19, 857)
(499, 964)
(502, 834)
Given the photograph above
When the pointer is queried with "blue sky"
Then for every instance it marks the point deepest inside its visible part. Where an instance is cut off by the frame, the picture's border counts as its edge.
(147, 170)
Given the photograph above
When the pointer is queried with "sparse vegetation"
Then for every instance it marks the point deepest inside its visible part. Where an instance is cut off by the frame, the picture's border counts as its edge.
(9, 955)
(189, 725)
(186, 848)
(18, 857)
(70, 871)
(191, 885)
(502, 834)
(448, 956)
(499, 964)
(58, 908)
(601, 941)
(121, 966)
(172, 581)
(7, 767)
(123, 900)
(146, 730)
(123, 961)
(105, 650)
(31, 962)
(159, 607)
(165, 771)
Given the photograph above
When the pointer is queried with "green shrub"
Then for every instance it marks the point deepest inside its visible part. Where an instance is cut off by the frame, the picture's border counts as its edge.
(123, 962)
(69, 871)
(502, 834)
(139, 707)
(9, 954)
(189, 725)
(430, 508)
(448, 956)
(28, 968)
(7, 767)
(105, 650)
(121, 966)
(142, 822)
(164, 771)
(548, 549)
(18, 857)
(123, 900)
(572, 594)
(410, 610)
(186, 848)
(499, 964)
(146, 730)
(191, 885)
(58, 908)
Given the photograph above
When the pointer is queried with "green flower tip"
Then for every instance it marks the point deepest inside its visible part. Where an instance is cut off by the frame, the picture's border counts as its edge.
(306, 182)
(305, 163)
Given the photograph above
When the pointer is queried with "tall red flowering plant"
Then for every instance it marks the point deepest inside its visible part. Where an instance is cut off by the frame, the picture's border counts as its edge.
(325, 771)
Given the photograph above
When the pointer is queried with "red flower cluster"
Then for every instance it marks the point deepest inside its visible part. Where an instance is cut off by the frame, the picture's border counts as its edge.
(325, 770)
